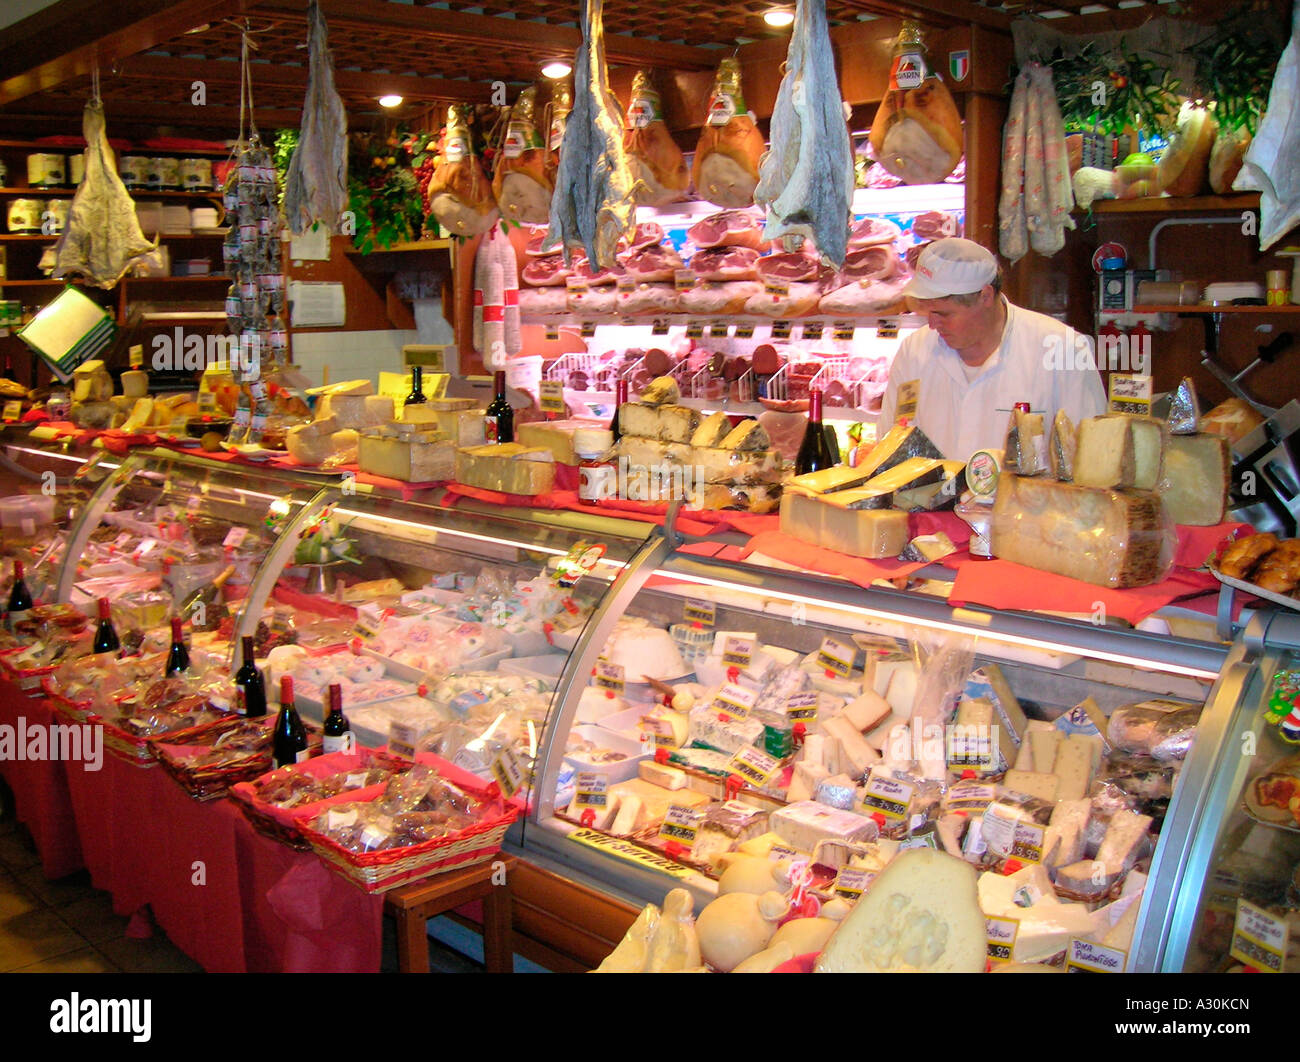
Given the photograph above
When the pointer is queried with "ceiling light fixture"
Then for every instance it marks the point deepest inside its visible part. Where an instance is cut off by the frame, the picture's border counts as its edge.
(391, 100)
(779, 17)
(557, 68)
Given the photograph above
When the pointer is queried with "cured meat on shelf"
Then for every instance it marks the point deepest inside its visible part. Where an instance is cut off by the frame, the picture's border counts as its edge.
(800, 299)
(545, 271)
(917, 132)
(657, 162)
(729, 228)
(646, 234)
(934, 225)
(654, 263)
(870, 231)
(730, 146)
(539, 302)
(865, 297)
(647, 298)
(596, 277)
(871, 263)
(536, 243)
(459, 194)
(790, 266)
(594, 204)
(806, 180)
(496, 300)
(316, 186)
(522, 183)
(594, 301)
(725, 263)
(719, 298)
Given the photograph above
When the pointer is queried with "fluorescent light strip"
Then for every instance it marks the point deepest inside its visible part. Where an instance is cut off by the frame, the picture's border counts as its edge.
(48, 453)
(956, 628)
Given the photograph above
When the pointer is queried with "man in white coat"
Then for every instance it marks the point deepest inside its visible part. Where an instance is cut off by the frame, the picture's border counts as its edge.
(959, 377)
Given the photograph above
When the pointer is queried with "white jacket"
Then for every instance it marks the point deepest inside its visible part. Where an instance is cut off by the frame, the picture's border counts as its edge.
(1040, 361)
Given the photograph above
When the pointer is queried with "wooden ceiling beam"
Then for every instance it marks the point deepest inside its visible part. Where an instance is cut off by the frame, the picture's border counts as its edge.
(215, 118)
(83, 33)
(950, 12)
(436, 24)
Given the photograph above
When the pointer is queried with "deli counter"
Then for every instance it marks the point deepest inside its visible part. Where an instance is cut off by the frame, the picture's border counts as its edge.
(660, 707)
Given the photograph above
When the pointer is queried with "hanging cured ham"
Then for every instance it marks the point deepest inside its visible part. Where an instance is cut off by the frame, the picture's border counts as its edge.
(496, 300)
(460, 195)
(522, 184)
(730, 147)
(917, 133)
(593, 206)
(806, 180)
(316, 188)
(657, 161)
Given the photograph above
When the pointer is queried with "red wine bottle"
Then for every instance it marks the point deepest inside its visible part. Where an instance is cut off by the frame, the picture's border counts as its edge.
(814, 452)
(499, 420)
(417, 396)
(338, 731)
(620, 399)
(20, 598)
(289, 741)
(106, 640)
(178, 657)
(250, 688)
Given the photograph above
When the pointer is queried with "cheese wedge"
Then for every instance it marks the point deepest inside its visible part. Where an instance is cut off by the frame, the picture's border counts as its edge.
(1105, 456)
(1198, 469)
(712, 431)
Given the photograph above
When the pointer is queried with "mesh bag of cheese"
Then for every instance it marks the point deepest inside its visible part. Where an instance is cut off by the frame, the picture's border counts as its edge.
(1106, 537)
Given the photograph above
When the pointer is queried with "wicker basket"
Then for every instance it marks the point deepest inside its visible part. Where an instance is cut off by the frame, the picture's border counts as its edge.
(207, 783)
(25, 678)
(140, 751)
(76, 710)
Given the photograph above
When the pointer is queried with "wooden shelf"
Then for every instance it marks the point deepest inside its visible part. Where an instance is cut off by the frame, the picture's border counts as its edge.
(1177, 205)
(410, 245)
(31, 283)
(142, 193)
(20, 237)
(206, 278)
(135, 149)
(1289, 309)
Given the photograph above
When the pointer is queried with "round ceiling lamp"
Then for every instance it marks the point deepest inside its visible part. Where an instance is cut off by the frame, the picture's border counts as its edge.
(391, 100)
(779, 17)
(557, 68)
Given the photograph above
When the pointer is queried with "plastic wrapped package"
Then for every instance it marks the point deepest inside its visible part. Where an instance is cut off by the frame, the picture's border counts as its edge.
(1160, 729)
(1104, 537)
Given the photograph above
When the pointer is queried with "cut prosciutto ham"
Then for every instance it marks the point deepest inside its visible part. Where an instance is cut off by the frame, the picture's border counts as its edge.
(870, 231)
(656, 160)
(800, 299)
(864, 298)
(596, 278)
(718, 298)
(647, 234)
(730, 228)
(545, 271)
(934, 225)
(791, 266)
(655, 263)
(522, 183)
(730, 147)
(726, 263)
(871, 263)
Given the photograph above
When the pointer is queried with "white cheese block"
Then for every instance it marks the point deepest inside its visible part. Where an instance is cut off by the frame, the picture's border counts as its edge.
(308, 445)
(1046, 925)
(1062, 447)
(867, 712)
(344, 387)
(631, 816)
(803, 782)
(662, 775)
(884, 672)
(1125, 838)
(814, 749)
(410, 460)
(1104, 456)
(901, 693)
(639, 420)
(135, 384)
(921, 914)
(807, 822)
(1032, 783)
(141, 414)
(1074, 767)
(708, 728)
(508, 467)
(1063, 841)
(1033, 443)
(859, 755)
(356, 411)
(1044, 742)
(604, 818)
(677, 424)
(1148, 449)
(1198, 470)
(1025, 757)
(864, 532)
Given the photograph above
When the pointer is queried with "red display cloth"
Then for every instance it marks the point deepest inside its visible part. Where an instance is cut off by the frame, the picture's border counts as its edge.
(303, 602)
(1196, 545)
(795, 551)
(40, 788)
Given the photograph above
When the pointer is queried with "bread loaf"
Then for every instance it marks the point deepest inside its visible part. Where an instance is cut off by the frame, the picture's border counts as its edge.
(1183, 169)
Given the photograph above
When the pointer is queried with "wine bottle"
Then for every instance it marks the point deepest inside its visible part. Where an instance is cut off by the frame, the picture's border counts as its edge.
(178, 657)
(620, 399)
(250, 688)
(20, 598)
(499, 421)
(338, 731)
(106, 640)
(814, 452)
(289, 741)
(416, 397)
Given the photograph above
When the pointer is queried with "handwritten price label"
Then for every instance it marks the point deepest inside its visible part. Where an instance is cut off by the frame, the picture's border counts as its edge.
(1001, 936)
(1086, 956)
(704, 613)
(551, 396)
(609, 676)
(509, 775)
(852, 882)
(753, 765)
(737, 652)
(888, 796)
(681, 825)
(1258, 938)
(802, 707)
(1027, 845)
(590, 790)
(735, 701)
(836, 656)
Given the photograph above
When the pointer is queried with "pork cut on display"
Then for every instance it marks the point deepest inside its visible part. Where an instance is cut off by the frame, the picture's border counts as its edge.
(728, 228)
(725, 263)
(316, 187)
(730, 147)
(917, 132)
(806, 180)
(660, 168)
(522, 182)
(460, 196)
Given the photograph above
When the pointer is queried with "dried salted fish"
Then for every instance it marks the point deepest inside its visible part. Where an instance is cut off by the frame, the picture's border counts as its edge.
(316, 188)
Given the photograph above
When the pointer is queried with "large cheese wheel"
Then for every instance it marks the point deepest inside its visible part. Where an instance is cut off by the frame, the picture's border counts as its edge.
(1184, 167)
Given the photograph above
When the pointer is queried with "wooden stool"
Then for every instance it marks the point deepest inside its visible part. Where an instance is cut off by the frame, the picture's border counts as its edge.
(412, 905)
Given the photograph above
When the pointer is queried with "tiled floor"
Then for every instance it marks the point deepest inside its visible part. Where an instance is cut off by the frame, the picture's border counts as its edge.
(68, 926)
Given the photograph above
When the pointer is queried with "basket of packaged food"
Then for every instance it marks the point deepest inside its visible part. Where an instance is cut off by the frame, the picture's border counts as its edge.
(273, 802)
(206, 762)
(432, 819)
(88, 685)
(169, 708)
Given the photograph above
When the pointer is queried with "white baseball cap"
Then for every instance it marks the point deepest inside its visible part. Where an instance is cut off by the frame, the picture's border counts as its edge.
(951, 266)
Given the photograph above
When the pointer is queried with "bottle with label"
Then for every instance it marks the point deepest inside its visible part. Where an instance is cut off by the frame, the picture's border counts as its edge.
(597, 478)
(338, 731)
(106, 640)
(620, 400)
(20, 598)
(417, 396)
(815, 451)
(289, 741)
(178, 657)
(499, 421)
(250, 688)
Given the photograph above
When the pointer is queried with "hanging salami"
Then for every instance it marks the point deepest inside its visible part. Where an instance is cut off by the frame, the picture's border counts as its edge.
(657, 161)
(460, 195)
(730, 147)
(523, 181)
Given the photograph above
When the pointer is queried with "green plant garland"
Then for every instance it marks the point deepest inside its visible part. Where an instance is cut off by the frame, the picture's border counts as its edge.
(384, 192)
(1136, 90)
(1235, 68)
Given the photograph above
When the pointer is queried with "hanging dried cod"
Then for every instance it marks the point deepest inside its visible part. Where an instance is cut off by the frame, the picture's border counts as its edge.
(593, 206)
(806, 180)
(522, 184)
(316, 188)
(103, 238)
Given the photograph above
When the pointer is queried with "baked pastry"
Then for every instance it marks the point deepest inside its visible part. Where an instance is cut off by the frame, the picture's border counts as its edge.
(1240, 558)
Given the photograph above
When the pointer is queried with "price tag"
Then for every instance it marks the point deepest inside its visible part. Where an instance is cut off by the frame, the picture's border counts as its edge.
(681, 825)
(1130, 393)
(745, 330)
(506, 770)
(888, 796)
(207, 402)
(628, 322)
(579, 561)
(235, 537)
(781, 329)
(551, 396)
(552, 333)
(695, 329)
(717, 331)
(402, 739)
(146, 546)
(909, 394)
(1027, 843)
(837, 656)
(657, 731)
(735, 701)
(122, 540)
(998, 832)
(737, 652)
(587, 329)
(609, 676)
(1259, 939)
(1001, 936)
(753, 765)
(12, 411)
(779, 851)
(626, 284)
(802, 707)
(852, 882)
(702, 612)
(1086, 956)
(844, 330)
(576, 285)
(778, 288)
(969, 796)
(684, 279)
(659, 327)
(590, 790)
(813, 329)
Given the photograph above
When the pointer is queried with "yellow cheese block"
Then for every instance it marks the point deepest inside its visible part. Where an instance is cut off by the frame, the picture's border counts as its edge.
(1198, 470)
(555, 435)
(509, 467)
(411, 460)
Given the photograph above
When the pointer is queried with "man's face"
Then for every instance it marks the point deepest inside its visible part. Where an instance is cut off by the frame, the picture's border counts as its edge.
(958, 325)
